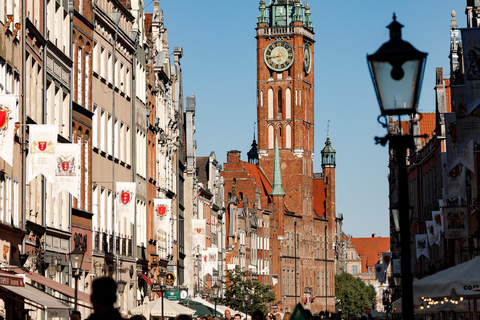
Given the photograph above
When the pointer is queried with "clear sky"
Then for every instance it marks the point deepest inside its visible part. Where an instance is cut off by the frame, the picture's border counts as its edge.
(219, 66)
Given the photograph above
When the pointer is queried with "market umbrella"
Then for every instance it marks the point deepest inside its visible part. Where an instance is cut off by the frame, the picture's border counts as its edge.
(154, 308)
(462, 280)
(201, 309)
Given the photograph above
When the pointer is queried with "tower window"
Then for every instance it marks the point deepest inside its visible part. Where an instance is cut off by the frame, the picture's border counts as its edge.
(279, 101)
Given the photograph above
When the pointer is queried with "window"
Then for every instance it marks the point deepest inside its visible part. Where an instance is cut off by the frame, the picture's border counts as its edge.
(79, 76)
(127, 87)
(116, 137)
(95, 57)
(279, 101)
(354, 269)
(2, 77)
(270, 104)
(95, 126)
(370, 269)
(103, 63)
(109, 134)
(103, 129)
(110, 67)
(87, 81)
(9, 80)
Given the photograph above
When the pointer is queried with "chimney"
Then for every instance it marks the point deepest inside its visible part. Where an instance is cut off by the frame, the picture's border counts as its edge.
(373, 235)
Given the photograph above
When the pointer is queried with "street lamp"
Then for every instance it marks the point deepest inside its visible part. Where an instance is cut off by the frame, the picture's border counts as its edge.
(397, 71)
(76, 259)
(215, 296)
(246, 298)
(163, 288)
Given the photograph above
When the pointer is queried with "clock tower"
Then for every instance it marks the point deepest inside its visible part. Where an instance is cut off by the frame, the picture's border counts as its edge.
(285, 98)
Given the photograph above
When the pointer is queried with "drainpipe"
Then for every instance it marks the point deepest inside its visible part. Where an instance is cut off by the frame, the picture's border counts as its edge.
(326, 268)
(23, 124)
(116, 18)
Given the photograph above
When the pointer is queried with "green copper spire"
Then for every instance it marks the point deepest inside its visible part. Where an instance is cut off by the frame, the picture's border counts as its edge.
(308, 22)
(297, 13)
(277, 189)
(262, 17)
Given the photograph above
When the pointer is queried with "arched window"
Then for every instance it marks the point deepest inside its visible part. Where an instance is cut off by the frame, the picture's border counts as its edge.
(270, 104)
(270, 137)
(279, 101)
(288, 104)
(288, 138)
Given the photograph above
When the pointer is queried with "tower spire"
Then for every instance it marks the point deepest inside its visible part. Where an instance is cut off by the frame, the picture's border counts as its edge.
(253, 153)
(277, 189)
(328, 153)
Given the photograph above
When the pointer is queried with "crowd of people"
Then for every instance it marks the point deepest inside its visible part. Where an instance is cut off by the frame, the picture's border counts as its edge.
(104, 296)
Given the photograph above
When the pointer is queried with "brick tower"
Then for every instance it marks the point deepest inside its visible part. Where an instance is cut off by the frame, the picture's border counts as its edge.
(285, 97)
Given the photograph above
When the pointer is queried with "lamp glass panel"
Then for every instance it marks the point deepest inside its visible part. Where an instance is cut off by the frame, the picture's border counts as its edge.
(397, 96)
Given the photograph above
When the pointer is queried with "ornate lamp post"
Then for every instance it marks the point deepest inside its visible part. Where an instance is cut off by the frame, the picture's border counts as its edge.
(163, 288)
(397, 71)
(76, 260)
(215, 296)
(246, 298)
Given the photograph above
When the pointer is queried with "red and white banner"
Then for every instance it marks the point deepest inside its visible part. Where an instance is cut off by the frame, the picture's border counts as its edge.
(41, 151)
(433, 237)
(125, 201)
(471, 56)
(209, 261)
(163, 221)
(454, 187)
(457, 156)
(380, 272)
(198, 229)
(67, 170)
(421, 242)
(437, 221)
(8, 117)
(386, 258)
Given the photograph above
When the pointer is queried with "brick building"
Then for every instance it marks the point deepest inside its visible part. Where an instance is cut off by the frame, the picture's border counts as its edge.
(281, 223)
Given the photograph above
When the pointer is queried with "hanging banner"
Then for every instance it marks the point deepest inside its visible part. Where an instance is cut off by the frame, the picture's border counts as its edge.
(162, 222)
(454, 187)
(67, 170)
(198, 229)
(433, 237)
(457, 156)
(471, 56)
(204, 260)
(212, 259)
(421, 242)
(380, 272)
(456, 222)
(396, 266)
(125, 201)
(386, 258)
(41, 151)
(8, 117)
(437, 221)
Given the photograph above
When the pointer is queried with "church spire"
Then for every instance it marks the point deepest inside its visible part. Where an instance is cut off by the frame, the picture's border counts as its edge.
(277, 189)
(328, 153)
(253, 153)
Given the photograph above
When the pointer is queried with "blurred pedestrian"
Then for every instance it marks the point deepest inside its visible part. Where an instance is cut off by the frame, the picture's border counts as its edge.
(103, 297)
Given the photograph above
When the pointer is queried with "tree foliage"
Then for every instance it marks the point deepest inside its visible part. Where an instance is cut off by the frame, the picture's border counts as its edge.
(353, 295)
(240, 283)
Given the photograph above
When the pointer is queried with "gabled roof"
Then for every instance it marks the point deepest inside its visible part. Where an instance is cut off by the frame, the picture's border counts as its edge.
(370, 249)
(257, 174)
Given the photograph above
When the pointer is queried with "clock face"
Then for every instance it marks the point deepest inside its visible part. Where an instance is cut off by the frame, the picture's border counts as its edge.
(307, 58)
(278, 55)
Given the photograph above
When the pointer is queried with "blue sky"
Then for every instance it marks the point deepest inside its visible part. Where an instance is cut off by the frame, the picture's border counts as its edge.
(219, 66)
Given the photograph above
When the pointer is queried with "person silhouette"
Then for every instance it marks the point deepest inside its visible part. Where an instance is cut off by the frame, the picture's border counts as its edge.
(103, 297)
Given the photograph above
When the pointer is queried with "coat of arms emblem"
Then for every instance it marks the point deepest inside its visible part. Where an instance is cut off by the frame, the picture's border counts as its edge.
(161, 210)
(4, 117)
(42, 145)
(125, 197)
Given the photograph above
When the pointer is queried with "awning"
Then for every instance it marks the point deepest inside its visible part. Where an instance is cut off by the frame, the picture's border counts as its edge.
(8, 279)
(41, 300)
(63, 289)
